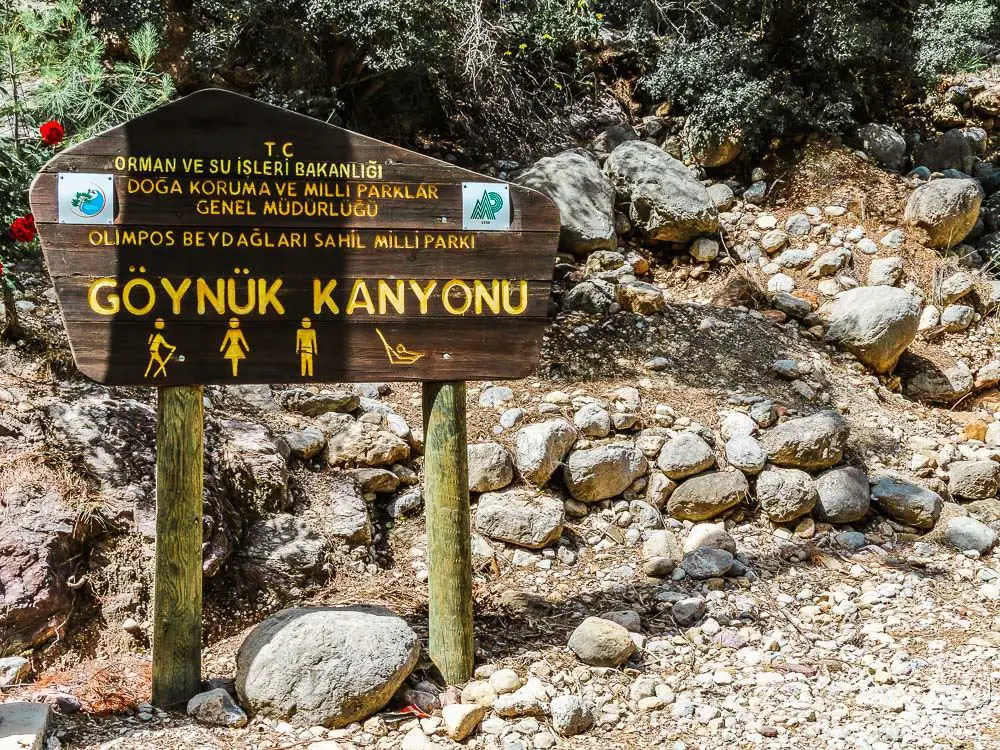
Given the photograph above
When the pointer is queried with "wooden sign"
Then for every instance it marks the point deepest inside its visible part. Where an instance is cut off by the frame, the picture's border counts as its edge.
(221, 240)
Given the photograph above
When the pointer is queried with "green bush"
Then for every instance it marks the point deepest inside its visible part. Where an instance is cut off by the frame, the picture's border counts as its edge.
(758, 69)
(955, 36)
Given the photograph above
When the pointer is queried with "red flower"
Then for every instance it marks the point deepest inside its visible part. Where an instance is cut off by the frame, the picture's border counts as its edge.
(23, 229)
(52, 132)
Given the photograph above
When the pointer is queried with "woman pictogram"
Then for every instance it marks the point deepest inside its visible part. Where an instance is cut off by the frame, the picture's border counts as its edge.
(234, 344)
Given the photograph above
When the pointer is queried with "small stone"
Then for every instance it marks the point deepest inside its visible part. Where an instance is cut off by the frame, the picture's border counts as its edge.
(479, 692)
(964, 533)
(707, 562)
(601, 643)
(505, 681)
(496, 395)
(704, 249)
(709, 535)
(571, 715)
(688, 611)
(684, 455)
(660, 553)
(746, 454)
(461, 719)
(216, 708)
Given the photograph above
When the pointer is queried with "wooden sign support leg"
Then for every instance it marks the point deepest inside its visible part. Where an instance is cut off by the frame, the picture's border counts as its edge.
(177, 586)
(449, 536)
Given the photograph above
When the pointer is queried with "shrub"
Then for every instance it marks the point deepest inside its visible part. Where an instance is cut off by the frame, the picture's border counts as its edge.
(758, 69)
(954, 35)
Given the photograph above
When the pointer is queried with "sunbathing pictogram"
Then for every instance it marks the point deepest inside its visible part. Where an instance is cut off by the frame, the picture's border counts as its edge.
(399, 355)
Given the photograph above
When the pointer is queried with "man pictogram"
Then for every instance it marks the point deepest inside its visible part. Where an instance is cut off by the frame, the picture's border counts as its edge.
(306, 347)
(157, 345)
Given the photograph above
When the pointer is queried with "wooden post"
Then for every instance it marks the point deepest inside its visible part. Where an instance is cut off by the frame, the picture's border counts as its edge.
(449, 536)
(177, 585)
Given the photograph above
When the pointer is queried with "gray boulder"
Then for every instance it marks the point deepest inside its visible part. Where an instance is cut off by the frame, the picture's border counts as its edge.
(907, 502)
(707, 562)
(362, 443)
(313, 404)
(592, 296)
(325, 666)
(707, 495)
(786, 494)
(940, 384)
(520, 517)
(883, 144)
(281, 551)
(964, 533)
(601, 643)
(945, 209)
(571, 715)
(602, 472)
(305, 443)
(953, 150)
(585, 198)
(490, 467)
(539, 448)
(875, 323)
(253, 466)
(746, 454)
(973, 480)
(685, 454)
(844, 495)
(665, 200)
(810, 443)
(593, 420)
(342, 513)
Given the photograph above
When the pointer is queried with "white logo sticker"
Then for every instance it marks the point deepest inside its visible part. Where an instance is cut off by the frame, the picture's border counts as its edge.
(486, 206)
(86, 198)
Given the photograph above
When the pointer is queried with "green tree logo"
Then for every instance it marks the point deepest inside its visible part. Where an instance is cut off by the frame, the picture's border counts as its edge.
(487, 206)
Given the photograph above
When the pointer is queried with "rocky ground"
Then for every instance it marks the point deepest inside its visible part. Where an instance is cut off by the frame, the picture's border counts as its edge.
(748, 500)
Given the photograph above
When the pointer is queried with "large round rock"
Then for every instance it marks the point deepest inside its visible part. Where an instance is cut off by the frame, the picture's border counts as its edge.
(325, 666)
(875, 323)
(945, 209)
(665, 199)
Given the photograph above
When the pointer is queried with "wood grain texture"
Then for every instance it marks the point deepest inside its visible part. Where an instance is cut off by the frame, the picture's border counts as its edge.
(449, 546)
(177, 581)
(415, 235)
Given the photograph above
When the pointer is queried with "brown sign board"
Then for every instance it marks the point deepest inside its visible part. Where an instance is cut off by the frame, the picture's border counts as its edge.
(218, 239)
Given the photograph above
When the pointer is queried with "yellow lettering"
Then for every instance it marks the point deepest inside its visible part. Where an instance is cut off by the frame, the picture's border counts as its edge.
(127, 296)
(360, 298)
(386, 295)
(267, 294)
(205, 294)
(423, 294)
(323, 297)
(492, 299)
(176, 294)
(248, 306)
(111, 306)
(522, 305)
(446, 297)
